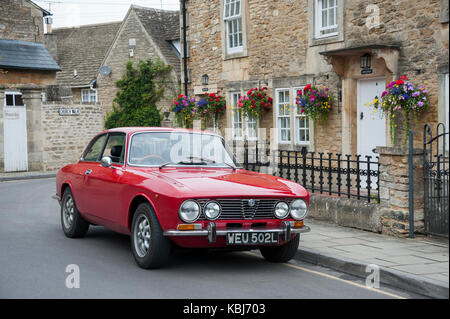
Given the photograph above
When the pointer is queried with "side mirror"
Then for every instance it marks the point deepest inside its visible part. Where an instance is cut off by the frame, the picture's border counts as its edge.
(106, 161)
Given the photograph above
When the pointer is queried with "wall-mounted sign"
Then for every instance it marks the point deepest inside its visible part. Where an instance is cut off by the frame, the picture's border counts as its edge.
(199, 90)
(367, 71)
(65, 112)
(11, 115)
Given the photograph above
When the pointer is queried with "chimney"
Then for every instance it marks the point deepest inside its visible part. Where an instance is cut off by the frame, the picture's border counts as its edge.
(48, 23)
(50, 38)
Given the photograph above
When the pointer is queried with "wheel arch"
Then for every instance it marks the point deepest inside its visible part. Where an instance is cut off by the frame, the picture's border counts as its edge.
(137, 200)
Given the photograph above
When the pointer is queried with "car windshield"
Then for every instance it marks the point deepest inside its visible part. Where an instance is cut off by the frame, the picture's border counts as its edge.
(178, 148)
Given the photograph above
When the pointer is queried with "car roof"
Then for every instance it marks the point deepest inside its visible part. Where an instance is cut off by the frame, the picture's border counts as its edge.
(131, 130)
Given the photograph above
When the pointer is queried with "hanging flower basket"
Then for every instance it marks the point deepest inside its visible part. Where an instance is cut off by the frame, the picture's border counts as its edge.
(216, 105)
(185, 110)
(401, 97)
(315, 103)
(254, 102)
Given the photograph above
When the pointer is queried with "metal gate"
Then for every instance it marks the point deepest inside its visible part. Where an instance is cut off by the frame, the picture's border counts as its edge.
(436, 179)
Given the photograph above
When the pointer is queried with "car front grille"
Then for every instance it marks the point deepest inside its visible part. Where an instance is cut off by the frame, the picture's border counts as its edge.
(240, 209)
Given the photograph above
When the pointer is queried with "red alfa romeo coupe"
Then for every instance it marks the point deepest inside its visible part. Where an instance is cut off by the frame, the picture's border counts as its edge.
(166, 187)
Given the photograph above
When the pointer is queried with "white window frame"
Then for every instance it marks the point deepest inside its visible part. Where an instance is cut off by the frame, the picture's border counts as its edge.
(297, 117)
(234, 96)
(233, 20)
(13, 93)
(285, 116)
(91, 93)
(318, 19)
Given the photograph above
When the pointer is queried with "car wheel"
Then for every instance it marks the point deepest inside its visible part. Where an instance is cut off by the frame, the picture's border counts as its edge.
(150, 248)
(73, 224)
(283, 253)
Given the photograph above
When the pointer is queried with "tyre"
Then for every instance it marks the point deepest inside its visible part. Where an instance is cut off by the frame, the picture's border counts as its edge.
(150, 248)
(281, 254)
(73, 224)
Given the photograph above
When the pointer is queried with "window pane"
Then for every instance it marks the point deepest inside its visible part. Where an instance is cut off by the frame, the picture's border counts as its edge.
(114, 148)
(324, 18)
(232, 9)
(238, 7)
(18, 100)
(9, 100)
(93, 153)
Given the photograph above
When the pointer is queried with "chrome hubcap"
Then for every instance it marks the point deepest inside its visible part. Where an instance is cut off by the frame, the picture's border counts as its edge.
(68, 212)
(141, 235)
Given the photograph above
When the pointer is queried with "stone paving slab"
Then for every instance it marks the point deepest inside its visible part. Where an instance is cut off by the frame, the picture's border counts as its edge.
(423, 260)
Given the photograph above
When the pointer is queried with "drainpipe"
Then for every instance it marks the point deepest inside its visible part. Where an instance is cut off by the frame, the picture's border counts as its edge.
(185, 49)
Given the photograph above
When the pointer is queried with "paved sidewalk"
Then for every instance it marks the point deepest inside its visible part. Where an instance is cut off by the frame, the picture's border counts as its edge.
(13, 176)
(423, 257)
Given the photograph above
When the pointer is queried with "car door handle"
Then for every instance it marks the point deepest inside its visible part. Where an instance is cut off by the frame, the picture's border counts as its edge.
(88, 172)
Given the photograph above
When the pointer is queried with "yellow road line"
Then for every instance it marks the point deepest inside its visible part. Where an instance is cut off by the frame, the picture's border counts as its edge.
(336, 278)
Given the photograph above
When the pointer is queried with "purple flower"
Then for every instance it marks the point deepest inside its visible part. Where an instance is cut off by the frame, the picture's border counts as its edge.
(420, 104)
(415, 94)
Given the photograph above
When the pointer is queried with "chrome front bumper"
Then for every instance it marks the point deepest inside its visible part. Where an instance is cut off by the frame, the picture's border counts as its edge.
(211, 232)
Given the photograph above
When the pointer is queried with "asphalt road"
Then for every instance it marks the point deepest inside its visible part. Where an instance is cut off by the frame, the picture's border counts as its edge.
(34, 254)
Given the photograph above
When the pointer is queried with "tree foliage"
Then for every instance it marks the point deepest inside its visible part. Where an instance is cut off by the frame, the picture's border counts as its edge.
(140, 88)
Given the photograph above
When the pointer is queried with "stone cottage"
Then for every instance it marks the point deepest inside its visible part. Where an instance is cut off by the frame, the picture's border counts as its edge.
(93, 57)
(285, 45)
(26, 68)
(144, 33)
(80, 52)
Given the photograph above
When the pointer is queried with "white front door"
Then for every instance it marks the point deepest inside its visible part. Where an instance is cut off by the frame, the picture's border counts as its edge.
(371, 126)
(15, 133)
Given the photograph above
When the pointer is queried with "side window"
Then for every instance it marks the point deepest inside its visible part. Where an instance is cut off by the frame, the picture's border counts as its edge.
(94, 151)
(115, 148)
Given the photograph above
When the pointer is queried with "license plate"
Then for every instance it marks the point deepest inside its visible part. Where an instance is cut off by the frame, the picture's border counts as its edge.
(252, 238)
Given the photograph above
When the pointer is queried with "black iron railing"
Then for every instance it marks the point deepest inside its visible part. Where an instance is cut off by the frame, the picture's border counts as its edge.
(351, 176)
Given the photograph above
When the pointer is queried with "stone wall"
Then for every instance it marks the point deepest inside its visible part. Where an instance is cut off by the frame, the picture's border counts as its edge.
(346, 212)
(19, 20)
(119, 54)
(66, 137)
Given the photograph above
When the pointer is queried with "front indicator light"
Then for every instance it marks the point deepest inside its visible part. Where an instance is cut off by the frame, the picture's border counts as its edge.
(187, 227)
(298, 224)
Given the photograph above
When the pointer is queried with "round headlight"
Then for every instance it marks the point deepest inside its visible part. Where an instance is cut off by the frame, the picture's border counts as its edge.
(189, 211)
(299, 209)
(212, 210)
(281, 210)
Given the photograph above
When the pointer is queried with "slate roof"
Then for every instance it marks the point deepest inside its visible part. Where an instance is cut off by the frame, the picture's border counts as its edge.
(15, 54)
(83, 48)
(163, 26)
